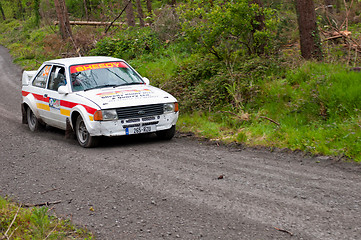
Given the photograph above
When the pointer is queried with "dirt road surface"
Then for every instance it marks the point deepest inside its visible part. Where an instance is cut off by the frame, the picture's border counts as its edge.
(143, 188)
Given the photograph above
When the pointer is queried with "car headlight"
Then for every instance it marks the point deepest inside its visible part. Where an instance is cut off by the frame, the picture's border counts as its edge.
(170, 107)
(105, 115)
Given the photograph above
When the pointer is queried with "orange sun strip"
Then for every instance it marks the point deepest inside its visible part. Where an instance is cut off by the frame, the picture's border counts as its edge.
(80, 68)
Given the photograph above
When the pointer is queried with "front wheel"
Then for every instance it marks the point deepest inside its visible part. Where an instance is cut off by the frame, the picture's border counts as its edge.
(33, 121)
(166, 134)
(83, 136)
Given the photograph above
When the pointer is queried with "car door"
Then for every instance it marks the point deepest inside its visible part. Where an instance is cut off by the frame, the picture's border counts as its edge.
(55, 115)
(38, 89)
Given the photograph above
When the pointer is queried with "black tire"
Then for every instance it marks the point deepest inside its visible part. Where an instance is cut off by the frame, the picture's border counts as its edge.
(32, 120)
(83, 136)
(166, 134)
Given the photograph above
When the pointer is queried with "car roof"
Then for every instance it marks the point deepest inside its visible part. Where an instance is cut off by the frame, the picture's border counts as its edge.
(82, 60)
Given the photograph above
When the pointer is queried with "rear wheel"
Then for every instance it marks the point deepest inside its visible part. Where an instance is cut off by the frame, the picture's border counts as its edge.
(33, 121)
(83, 136)
(166, 134)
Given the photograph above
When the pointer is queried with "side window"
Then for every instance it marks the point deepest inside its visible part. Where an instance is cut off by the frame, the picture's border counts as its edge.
(40, 80)
(57, 78)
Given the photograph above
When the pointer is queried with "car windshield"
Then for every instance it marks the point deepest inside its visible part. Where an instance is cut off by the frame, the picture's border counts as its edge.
(99, 75)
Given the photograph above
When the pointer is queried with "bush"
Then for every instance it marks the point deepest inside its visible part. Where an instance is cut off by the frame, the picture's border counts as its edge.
(229, 28)
(128, 44)
(204, 83)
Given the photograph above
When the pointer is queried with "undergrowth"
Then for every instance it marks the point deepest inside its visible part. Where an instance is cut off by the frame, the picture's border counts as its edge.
(314, 108)
(35, 223)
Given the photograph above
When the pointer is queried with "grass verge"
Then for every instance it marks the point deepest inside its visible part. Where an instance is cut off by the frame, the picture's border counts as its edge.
(35, 223)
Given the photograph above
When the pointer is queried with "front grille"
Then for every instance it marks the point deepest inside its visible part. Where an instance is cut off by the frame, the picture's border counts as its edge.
(132, 120)
(148, 119)
(150, 123)
(140, 124)
(140, 111)
(131, 125)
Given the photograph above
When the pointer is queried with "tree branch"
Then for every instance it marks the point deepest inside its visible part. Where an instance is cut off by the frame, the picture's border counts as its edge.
(120, 14)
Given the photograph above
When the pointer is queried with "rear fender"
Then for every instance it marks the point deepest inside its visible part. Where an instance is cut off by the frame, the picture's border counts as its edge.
(29, 101)
(27, 76)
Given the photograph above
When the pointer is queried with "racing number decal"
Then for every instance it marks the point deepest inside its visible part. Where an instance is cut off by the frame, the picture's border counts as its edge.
(46, 71)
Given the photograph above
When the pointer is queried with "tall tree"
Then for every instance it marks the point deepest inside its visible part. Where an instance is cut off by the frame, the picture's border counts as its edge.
(329, 6)
(19, 14)
(130, 13)
(86, 10)
(2, 12)
(149, 6)
(338, 6)
(64, 25)
(258, 24)
(140, 12)
(309, 36)
(36, 12)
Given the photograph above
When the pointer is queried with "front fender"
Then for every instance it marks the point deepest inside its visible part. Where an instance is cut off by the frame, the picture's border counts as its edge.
(91, 125)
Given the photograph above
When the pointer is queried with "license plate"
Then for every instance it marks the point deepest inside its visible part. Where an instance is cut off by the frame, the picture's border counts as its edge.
(138, 130)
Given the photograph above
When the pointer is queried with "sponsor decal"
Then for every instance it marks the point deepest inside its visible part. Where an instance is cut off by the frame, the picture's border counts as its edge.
(54, 103)
(126, 94)
(80, 68)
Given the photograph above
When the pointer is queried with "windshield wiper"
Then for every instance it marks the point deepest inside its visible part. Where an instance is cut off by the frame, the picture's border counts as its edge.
(103, 86)
(132, 83)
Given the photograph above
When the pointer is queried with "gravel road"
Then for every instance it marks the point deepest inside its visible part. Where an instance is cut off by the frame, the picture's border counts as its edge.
(143, 188)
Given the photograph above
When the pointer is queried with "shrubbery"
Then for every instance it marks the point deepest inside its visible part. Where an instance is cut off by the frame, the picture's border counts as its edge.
(128, 44)
(229, 29)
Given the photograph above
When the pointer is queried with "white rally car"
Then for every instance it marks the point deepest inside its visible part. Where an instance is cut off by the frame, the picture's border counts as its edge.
(96, 96)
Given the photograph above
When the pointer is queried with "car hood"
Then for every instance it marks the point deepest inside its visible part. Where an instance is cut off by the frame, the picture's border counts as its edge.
(127, 96)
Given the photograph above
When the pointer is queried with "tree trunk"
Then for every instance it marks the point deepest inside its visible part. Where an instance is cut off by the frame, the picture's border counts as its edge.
(64, 25)
(86, 10)
(130, 13)
(338, 6)
(258, 25)
(309, 36)
(2, 12)
(329, 6)
(140, 13)
(36, 12)
(149, 6)
(19, 14)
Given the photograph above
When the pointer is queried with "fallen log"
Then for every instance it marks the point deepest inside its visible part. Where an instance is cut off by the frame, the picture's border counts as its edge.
(91, 23)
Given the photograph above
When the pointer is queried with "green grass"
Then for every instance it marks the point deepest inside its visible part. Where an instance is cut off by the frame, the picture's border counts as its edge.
(342, 139)
(158, 70)
(317, 107)
(35, 223)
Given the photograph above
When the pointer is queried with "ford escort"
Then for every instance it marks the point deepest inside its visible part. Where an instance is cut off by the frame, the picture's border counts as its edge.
(96, 96)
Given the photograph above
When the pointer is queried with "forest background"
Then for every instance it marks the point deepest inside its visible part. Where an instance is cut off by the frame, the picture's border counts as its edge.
(276, 74)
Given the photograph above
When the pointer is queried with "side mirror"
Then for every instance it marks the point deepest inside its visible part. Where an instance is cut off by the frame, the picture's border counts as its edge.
(63, 90)
(146, 80)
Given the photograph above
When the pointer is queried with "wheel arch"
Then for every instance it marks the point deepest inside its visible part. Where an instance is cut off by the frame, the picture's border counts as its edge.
(73, 117)
(29, 102)
(79, 110)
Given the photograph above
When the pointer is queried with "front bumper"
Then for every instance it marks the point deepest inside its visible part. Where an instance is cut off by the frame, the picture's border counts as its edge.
(121, 127)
